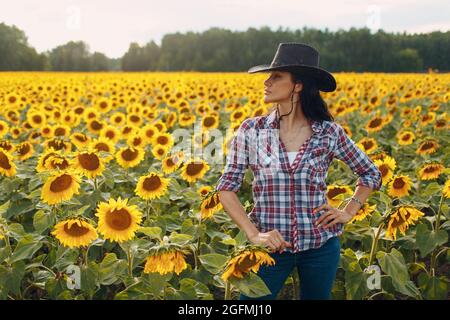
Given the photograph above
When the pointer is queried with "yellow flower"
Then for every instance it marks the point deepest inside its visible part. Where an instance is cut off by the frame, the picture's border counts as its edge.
(334, 191)
(7, 166)
(88, 163)
(210, 205)
(151, 186)
(430, 171)
(386, 166)
(428, 147)
(59, 187)
(118, 221)
(399, 186)
(129, 157)
(194, 170)
(75, 233)
(246, 261)
(401, 219)
(363, 212)
(165, 262)
(446, 190)
(405, 137)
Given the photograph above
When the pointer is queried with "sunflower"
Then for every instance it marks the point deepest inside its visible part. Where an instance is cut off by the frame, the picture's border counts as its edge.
(441, 124)
(117, 221)
(36, 120)
(446, 189)
(194, 170)
(58, 144)
(430, 171)
(210, 205)
(4, 128)
(128, 130)
(88, 163)
(172, 162)
(7, 166)
(203, 191)
(103, 105)
(165, 262)
(7, 146)
(368, 145)
(111, 133)
(25, 150)
(363, 212)
(135, 119)
(163, 139)
(117, 119)
(401, 219)
(57, 162)
(405, 138)
(47, 131)
(60, 186)
(74, 233)
(61, 130)
(427, 118)
(128, 157)
(80, 140)
(386, 166)
(104, 145)
(151, 186)
(428, 147)
(210, 122)
(399, 186)
(137, 140)
(334, 191)
(246, 261)
(186, 119)
(159, 152)
(375, 124)
(95, 126)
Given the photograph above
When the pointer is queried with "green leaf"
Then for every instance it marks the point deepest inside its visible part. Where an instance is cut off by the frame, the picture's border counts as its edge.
(356, 284)
(11, 277)
(152, 232)
(111, 269)
(251, 285)
(180, 238)
(4, 207)
(193, 289)
(431, 189)
(393, 264)
(213, 262)
(427, 241)
(42, 220)
(25, 248)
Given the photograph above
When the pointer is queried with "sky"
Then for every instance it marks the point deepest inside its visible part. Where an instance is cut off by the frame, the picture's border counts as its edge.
(109, 26)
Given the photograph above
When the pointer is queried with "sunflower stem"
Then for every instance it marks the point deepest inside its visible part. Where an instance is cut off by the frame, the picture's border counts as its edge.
(295, 282)
(95, 184)
(147, 209)
(130, 261)
(436, 228)
(227, 290)
(374, 244)
(438, 218)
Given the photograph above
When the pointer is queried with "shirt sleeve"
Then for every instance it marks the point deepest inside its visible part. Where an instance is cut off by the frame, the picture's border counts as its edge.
(237, 161)
(347, 151)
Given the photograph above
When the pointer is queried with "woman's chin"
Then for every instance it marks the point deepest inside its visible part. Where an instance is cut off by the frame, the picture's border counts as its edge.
(268, 99)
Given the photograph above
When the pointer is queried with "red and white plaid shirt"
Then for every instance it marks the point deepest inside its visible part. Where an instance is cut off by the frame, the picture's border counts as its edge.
(284, 195)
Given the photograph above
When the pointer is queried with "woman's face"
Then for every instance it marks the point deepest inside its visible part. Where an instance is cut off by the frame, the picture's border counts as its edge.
(278, 87)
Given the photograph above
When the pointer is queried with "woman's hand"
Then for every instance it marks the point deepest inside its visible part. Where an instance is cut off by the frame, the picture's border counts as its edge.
(272, 239)
(331, 216)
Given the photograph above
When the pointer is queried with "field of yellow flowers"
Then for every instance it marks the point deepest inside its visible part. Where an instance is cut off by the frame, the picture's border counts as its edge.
(98, 200)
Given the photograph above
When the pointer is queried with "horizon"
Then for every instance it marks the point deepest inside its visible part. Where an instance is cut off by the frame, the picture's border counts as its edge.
(94, 22)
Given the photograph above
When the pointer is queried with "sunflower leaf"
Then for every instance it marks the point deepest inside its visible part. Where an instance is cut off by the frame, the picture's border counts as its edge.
(251, 285)
(213, 262)
(427, 240)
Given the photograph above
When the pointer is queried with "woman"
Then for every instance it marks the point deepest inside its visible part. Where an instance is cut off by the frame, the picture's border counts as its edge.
(291, 215)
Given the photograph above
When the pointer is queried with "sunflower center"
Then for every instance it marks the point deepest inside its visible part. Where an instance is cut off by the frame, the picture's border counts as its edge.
(335, 191)
(384, 170)
(24, 149)
(246, 263)
(60, 132)
(102, 147)
(398, 183)
(129, 155)
(75, 230)
(61, 183)
(162, 140)
(430, 169)
(152, 183)
(96, 125)
(209, 121)
(194, 168)
(4, 161)
(400, 221)
(375, 123)
(427, 145)
(118, 219)
(212, 203)
(89, 161)
(37, 119)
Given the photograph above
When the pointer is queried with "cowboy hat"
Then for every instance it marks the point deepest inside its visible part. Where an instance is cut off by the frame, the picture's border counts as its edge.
(300, 58)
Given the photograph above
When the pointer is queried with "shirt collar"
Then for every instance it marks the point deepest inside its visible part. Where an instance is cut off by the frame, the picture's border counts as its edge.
(274, 122)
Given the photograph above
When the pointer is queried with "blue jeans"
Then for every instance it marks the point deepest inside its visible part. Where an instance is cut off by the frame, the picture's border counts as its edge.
(316, 270)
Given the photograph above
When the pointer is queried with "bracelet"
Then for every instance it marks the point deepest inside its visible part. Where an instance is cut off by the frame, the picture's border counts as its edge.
(357, 200)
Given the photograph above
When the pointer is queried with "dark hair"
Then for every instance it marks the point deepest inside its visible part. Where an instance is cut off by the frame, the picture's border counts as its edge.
(312, 103)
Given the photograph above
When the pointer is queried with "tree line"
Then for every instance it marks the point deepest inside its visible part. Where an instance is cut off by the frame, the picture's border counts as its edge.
(217, 49)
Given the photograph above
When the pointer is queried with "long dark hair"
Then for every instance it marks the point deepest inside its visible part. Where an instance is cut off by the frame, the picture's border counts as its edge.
(312, 103)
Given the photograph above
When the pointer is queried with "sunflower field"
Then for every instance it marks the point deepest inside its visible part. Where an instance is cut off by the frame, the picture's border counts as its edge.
(97, 201)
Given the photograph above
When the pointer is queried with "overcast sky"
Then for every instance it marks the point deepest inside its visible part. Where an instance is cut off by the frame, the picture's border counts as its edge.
(109, 26)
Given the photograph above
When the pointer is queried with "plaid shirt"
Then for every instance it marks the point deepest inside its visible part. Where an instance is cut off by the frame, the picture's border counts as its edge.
(285, 195)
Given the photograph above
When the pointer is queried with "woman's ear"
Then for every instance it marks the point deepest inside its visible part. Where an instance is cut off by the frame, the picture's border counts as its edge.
(298, 87)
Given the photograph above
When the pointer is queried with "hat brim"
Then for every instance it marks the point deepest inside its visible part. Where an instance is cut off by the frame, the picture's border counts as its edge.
(325, 80)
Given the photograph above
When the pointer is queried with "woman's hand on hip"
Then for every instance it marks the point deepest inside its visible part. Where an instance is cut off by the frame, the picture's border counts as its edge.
(331, 216)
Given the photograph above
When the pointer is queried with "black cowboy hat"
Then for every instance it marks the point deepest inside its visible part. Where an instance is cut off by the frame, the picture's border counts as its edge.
(300, 58)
